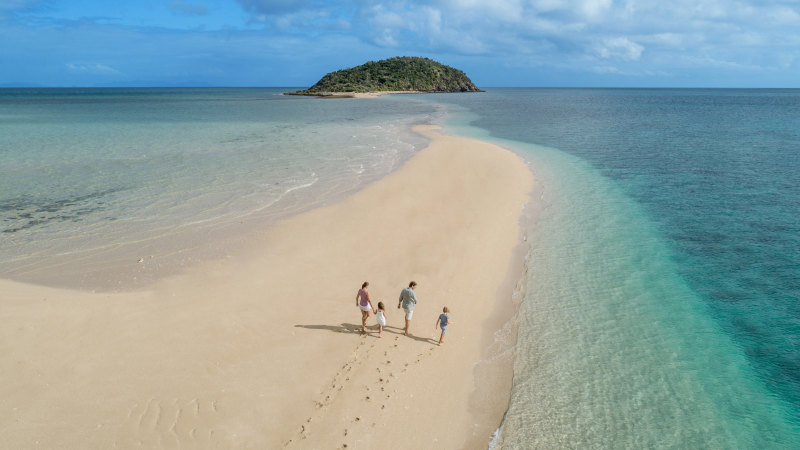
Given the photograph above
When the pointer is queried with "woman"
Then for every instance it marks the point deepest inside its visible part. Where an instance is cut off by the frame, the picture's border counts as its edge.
(364, 304)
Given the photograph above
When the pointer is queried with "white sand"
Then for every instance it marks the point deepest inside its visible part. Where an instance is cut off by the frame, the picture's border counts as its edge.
(261, 350)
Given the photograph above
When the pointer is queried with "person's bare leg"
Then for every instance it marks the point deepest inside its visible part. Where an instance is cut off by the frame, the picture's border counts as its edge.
(364, 316)
(408, 322)
(380, 330)
(441, 338)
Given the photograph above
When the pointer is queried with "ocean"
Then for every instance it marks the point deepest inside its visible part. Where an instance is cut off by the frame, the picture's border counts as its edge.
(662, 289)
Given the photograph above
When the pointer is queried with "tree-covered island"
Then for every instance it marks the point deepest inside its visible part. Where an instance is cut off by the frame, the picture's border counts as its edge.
(398, 74)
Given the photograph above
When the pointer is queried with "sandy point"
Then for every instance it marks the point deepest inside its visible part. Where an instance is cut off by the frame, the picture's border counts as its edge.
(263, 350)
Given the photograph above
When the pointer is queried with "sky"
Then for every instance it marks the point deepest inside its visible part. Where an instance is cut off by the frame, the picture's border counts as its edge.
(293, 43)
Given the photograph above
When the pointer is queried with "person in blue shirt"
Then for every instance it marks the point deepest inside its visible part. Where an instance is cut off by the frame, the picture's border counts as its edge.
(442, 322)
(408, 299)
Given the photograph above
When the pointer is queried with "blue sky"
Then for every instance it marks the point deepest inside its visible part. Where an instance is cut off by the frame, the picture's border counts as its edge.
(594, 43)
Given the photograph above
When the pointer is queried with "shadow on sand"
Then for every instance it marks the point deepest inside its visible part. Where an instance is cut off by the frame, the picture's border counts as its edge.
(343, 328)
(372, 330)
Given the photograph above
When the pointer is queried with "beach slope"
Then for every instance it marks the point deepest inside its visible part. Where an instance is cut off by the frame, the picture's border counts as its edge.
(263, 349)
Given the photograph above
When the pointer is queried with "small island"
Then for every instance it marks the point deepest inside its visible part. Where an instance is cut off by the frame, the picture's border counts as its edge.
(402, 74)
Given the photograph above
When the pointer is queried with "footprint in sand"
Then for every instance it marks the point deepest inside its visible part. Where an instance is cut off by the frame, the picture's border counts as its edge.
(173, 421)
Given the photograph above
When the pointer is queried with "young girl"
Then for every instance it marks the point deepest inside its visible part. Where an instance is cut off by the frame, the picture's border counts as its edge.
(381, 315)
(442, 322)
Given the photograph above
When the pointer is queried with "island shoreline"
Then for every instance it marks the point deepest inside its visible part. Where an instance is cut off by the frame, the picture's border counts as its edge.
(372, 94)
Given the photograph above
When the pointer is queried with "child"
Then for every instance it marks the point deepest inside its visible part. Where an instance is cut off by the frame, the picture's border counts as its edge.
(381, 315)
(442, 322)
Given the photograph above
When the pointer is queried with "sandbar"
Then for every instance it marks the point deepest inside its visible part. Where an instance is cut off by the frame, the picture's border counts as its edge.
(262, 349)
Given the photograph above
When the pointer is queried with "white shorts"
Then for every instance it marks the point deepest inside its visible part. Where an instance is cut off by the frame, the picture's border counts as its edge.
(409, 313)
(365, 308)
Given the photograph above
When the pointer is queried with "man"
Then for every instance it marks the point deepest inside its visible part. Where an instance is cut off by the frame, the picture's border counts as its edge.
(408, 299)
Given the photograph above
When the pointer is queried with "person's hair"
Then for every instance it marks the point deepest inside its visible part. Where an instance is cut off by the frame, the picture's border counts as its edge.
(380, 305)
(445, 310)
(412, 284)
(366, 283)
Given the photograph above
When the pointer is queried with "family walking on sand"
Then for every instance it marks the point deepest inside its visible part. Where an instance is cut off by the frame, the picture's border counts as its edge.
(407, 301)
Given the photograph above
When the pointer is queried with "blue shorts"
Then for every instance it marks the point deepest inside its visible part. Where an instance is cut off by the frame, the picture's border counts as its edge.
(444, 328)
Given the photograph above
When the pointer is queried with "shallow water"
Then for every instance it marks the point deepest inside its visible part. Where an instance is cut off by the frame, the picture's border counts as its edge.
(87, 171)
(662, 295)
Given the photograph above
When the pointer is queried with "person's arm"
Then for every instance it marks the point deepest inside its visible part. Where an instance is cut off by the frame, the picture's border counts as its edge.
(400, 300)
(413, 296)
(357, 295)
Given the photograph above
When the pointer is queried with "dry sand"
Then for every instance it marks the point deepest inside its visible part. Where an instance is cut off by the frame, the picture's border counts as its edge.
(261, 350)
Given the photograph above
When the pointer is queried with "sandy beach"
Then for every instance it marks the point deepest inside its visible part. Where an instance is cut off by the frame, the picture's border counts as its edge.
(263, 349)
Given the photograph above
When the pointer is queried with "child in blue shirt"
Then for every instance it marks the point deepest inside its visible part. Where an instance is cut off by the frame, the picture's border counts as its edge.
(442, 322)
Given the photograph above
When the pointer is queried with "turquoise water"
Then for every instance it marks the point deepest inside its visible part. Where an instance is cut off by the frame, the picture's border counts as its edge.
(662, 302)
(662, 286)
(92, 176)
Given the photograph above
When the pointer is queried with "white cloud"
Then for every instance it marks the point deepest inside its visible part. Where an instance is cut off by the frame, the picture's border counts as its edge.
(678, 38)
(384, 19)
(619, 48)
(433, 20)
(505, 10)
(386, 38)
(593, 9)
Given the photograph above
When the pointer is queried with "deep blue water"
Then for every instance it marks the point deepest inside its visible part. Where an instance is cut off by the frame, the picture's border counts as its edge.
(716, 174)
